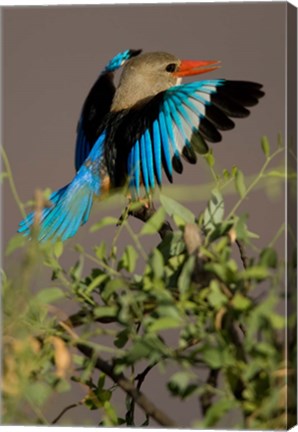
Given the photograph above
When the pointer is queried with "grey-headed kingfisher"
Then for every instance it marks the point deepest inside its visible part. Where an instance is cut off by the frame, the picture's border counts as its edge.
(148, 125)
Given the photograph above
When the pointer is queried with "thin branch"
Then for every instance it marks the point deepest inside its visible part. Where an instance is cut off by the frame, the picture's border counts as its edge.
(243, 255)
(144, 213)
(119, 378)
(254, 182)
(79, 318)
(140, 399)
(12, 183)
(75, 405)
(207, 397)
(141, 376)
(140, 379)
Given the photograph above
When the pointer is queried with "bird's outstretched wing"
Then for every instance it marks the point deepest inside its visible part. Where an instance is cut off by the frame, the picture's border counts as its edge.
(178, 123)
(97, 105)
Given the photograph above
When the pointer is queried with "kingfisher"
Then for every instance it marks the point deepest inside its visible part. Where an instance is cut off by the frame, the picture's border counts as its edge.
(132, 135)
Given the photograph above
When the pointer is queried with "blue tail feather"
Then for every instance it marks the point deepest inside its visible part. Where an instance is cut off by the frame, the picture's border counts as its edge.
(71, 205)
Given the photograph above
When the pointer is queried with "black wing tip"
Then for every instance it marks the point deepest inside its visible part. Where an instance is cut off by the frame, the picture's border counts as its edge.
(252, 84)
(134, 52)
(209, 132)
(177, 164)
(189, 155)
(247, 88)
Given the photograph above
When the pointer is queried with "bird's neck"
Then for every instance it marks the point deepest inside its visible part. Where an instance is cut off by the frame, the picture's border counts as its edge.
(131, 93)
(126, 97)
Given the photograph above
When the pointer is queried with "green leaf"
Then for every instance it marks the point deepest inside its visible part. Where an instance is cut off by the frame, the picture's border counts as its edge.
(256, 272)
(184, 279)
(154, 224)
(105, 312)
(129, 259)
(112, 287)
(241, 227)
(265, 146)
(172, 208)
(277, 321)
(240, 302)
(76, 270)
(216, 297)
(58, 248)
(214, 212)
(62, 386)
(240, 183)
(149, 346)
(101, 250)
(96, 399)
(16, 242)
(138, 351)
(253, 235)
(103, 395)
(101, 381)
(268, 258)
(234, 171)
(164, 323)
(38, 392)
(96, 282)
(121, 338)
(181, 384)
(106, 221)
(225, 271)
(213, 357)
(276, 173)
(226, 174)
(172, 245)
(50, 295)
(157, 263)
(218, 410)
(209, 159)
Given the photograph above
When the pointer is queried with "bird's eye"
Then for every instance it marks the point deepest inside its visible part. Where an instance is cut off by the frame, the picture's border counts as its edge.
(171, 67)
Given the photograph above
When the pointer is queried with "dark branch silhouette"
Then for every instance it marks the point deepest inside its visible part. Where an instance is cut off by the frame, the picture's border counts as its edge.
(119, 378)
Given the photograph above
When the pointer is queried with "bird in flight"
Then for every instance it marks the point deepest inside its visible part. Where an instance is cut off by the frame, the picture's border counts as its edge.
(140, 131)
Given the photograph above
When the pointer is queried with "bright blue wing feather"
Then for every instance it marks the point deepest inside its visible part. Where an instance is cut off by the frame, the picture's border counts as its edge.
(149, 157)
(169, 125)
(137, 167)
(71, 205)
(117, 61)
(165, 141)
(157, 150)
(181, 112)
(144, 163)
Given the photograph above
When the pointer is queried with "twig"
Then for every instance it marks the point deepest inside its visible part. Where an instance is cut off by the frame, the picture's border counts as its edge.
(140, 399)
(240, 353)
(207, 396)
(140, 379)
(119, 378)
(144, 213)
(243, 255)
(141, 376)
(12, 183)
(79, 318)
(65, 410)
(254, 182)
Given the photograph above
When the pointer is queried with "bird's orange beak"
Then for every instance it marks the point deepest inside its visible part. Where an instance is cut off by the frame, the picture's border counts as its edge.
(195, 67)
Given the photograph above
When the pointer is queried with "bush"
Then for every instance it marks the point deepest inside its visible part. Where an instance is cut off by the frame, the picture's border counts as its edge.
(203, 302)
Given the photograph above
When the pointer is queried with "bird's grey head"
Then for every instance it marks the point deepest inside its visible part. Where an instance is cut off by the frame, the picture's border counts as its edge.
(144, 77)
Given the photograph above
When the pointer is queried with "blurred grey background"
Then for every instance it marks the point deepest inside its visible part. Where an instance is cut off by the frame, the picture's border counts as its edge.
(51, 57)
